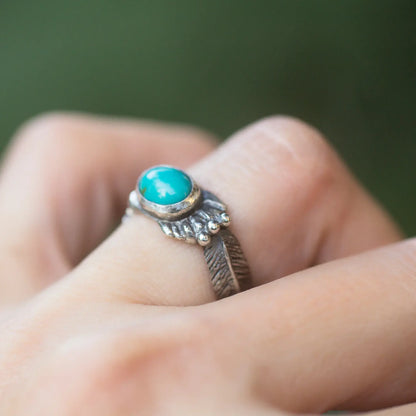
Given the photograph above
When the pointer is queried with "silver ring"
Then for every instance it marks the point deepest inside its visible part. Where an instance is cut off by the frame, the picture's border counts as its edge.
(193, 215)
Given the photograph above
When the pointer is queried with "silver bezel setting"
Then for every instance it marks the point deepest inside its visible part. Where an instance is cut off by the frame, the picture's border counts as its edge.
(171, 211)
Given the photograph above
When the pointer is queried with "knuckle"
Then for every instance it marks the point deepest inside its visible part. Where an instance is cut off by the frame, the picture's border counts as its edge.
(56, 138)
(46, 126)
(131, 368)
(285, 146)
(193, 133)
(299, 136)
(176, 354)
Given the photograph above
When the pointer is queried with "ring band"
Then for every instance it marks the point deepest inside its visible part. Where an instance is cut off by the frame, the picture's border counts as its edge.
(188, 213)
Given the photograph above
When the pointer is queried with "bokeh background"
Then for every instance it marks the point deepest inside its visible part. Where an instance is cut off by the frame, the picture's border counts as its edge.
(346, 66)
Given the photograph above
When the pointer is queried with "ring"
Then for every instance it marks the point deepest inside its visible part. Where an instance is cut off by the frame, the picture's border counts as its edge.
(186, 212)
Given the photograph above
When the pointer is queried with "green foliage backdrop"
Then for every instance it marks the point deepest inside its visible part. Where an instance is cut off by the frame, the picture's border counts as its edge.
(346, 66)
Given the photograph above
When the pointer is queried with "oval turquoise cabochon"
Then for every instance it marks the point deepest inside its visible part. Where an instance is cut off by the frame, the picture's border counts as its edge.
(165, 185)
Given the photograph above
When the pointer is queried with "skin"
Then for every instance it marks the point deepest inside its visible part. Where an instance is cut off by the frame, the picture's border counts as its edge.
(94, 322)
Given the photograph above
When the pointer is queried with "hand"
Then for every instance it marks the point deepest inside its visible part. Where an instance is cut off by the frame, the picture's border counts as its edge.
(129, 330)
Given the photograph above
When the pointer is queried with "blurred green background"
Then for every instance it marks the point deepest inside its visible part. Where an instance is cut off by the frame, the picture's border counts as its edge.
(348, 67)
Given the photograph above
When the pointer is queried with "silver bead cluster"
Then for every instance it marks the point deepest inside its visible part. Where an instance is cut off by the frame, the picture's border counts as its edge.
(201, 224)
(203, 216)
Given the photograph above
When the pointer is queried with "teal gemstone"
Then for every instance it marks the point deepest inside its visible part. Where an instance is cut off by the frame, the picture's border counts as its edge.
(164, 185)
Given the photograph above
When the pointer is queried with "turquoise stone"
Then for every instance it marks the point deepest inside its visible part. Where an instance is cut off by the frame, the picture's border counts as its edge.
(165, 185)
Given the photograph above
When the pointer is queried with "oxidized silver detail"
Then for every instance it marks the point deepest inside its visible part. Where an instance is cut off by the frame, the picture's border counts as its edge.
(227, 265)
(204, 219)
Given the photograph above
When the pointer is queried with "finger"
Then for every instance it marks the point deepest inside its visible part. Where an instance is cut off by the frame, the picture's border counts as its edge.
(339, 335)
(407, 410)
(292, 204)
(64, 184)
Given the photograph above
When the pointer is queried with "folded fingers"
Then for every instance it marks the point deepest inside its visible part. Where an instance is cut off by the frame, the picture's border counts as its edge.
(64, 184)
(292, 204)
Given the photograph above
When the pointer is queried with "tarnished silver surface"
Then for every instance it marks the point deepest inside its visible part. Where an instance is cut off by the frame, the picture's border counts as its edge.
(227, 265)
(201, 218)
(204, 219)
